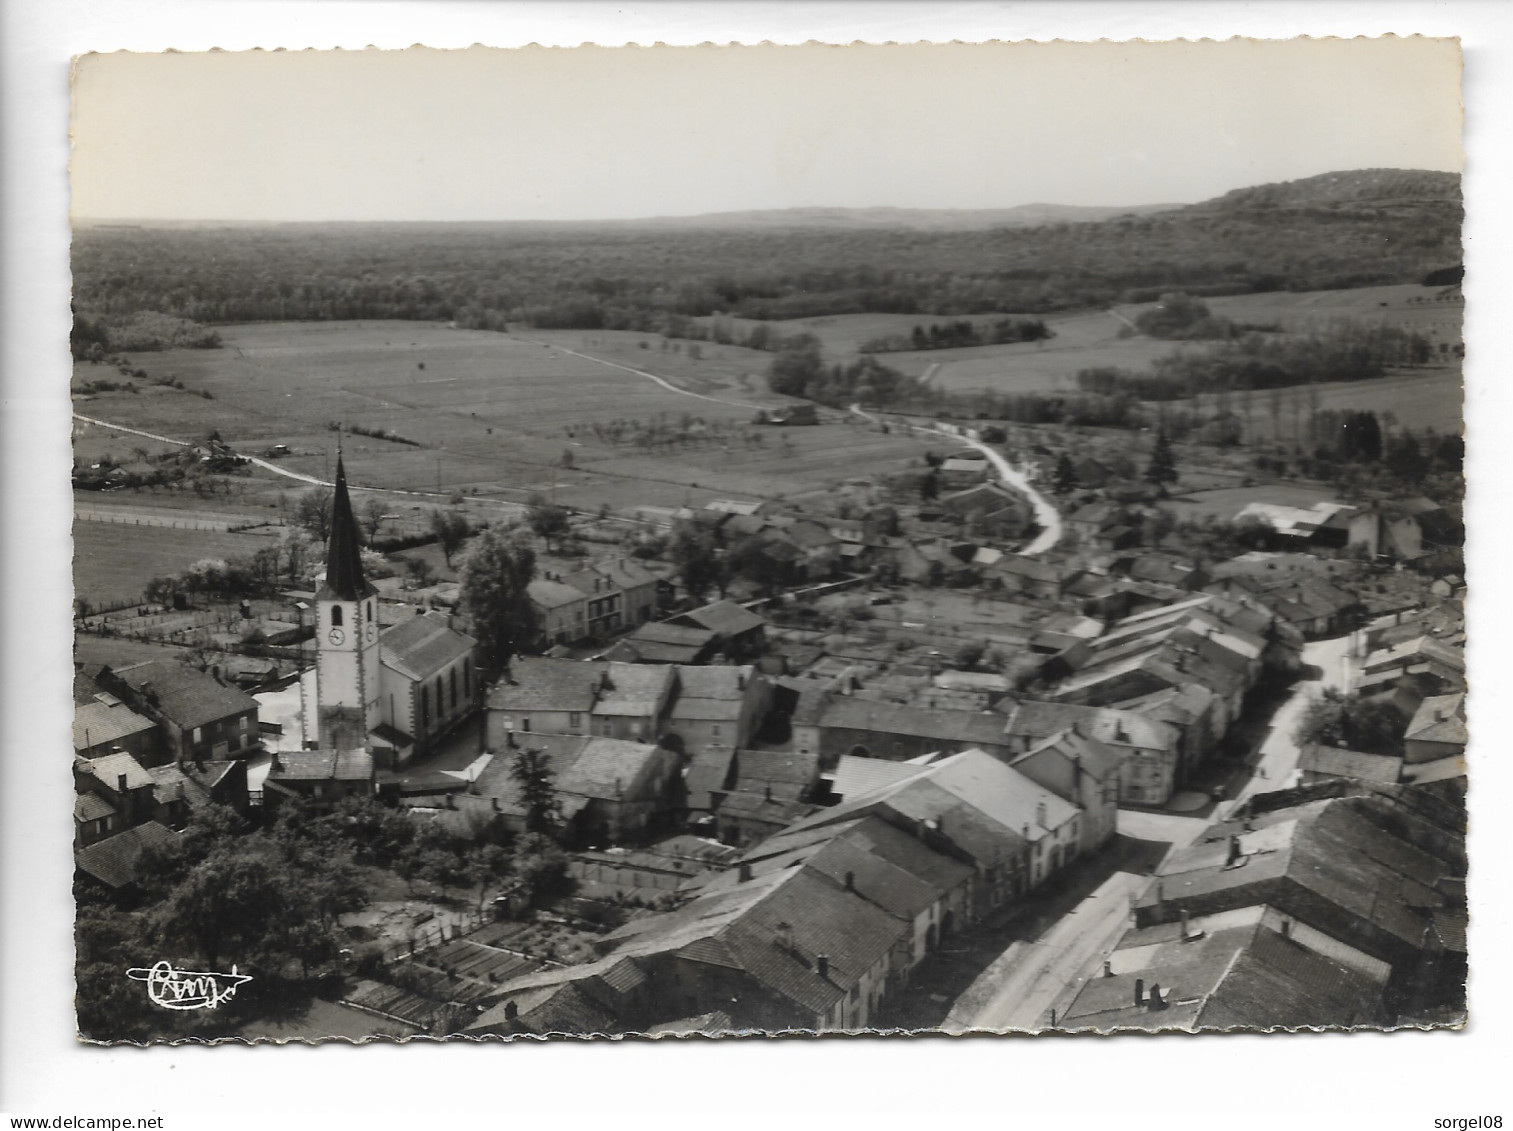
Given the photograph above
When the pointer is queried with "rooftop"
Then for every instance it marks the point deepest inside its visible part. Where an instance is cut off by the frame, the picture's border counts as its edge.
(188, 697)
(96, 723)
(423, 645)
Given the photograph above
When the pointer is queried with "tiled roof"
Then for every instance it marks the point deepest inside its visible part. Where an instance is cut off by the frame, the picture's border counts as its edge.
(856, 776)
(850, 713)
(113, 861)
(92, 807)
(608, 768)
(423, 645)
(96, 724)
(725, 618)
(636, 690)
(708, 773)
(553, 594)
(778, 766)
(1350, 764)
(110, 769)
(539, 683)
(711, 693)
(1440, 718)
(709, 1023)
(188, 697)
(321, 765)
(1036, 720)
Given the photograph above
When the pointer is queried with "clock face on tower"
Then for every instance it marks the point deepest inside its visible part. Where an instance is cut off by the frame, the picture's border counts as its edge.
(336, 636)
(372, 633)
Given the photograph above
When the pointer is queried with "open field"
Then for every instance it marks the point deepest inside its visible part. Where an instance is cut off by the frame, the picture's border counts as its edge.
(1435, 312)
(490, 414)
(1418, 399)
(1086, 339)
(114, 561)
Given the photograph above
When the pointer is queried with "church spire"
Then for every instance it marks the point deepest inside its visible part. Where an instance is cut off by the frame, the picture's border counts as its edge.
(344, 579)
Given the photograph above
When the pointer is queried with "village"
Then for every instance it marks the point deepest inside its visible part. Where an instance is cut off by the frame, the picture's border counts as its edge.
(1001, 739)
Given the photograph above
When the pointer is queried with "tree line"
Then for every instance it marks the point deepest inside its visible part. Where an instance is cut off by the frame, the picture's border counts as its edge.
(606, 277)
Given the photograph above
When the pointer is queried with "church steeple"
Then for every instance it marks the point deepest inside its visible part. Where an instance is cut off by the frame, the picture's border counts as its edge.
(344, 578)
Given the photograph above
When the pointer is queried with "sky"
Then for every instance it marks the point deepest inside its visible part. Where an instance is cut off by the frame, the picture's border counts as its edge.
(606, 133)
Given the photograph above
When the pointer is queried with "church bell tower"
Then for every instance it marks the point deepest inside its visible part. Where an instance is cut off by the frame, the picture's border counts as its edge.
(346, 672)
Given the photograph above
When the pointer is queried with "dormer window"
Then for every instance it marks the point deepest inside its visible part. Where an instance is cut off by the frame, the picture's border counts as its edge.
(336, 615)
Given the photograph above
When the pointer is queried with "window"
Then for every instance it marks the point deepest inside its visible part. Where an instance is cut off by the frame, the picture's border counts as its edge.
(467, 677)
(714, 730)
(369, 607)
(194, 735)
(425, 705)
(336, 613)
(454, 687)
(525, 725)
(575, 718)
(241, 723)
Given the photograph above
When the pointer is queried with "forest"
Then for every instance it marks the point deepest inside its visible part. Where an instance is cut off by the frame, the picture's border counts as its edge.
(621, 276)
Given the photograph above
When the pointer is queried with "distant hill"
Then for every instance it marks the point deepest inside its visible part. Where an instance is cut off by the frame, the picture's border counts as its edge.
(1350, 191)
(920, 219)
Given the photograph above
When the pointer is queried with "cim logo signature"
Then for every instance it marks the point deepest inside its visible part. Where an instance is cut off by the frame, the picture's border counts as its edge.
(187, 989)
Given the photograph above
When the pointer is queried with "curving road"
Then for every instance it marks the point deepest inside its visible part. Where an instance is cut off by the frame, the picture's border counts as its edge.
(1046, 515)
(666, 384)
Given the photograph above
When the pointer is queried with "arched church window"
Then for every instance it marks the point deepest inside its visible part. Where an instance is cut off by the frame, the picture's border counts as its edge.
(336, 616)
(370, 612)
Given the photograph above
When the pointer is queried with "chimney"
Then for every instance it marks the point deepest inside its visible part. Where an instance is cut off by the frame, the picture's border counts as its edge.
(121, 783)
(784, 937)
(1108, 969)
(494, 803)
(1156, 1002)
(511, 1011)
(1139, 991)
(1234, 851)
(743, 873)
(768, 791)
(822, 965)
(1287, 928)
(1040, 814)
(1160, 892)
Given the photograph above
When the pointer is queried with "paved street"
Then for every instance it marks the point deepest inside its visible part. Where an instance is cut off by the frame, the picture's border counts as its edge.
(1035, 975)
(1038, 973)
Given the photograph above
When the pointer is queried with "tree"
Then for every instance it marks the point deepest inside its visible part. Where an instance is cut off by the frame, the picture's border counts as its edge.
(418, 570)
(372, 517)
(693, 551)
(450, 529)
(485, 864)
(969, 655)
(531, 771)
(929, 484)
(1338, 719)
(1066, 475)
(1163, 465)
(313, 512)
(1159, 525)
(547, 520)
(495, 577)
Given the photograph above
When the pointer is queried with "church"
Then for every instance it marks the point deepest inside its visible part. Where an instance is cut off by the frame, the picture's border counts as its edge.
(393, 691)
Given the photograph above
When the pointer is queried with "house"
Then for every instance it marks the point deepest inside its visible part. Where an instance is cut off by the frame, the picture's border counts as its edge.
(1147, 752)
(665, 643)
(1248, 970)
(716, 707)
(112, 863)
(867, 728)
(739, 632)
(1093, 519)
(201, 716)
(123, 792)
(633, 701)
(562, 609)
(181, 789)
(616, 593)
(1363, 871)
(1084, 772)
(105, 725)
(540, 693)
(316, 780)
(1437, 729)
(428, 680)
(964, 470)
(608, 790)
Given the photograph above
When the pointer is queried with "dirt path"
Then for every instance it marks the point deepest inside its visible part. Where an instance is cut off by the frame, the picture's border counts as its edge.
(666, 384)
(1046, 514)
